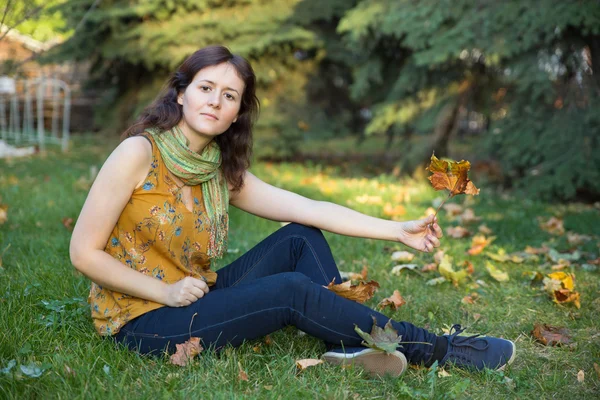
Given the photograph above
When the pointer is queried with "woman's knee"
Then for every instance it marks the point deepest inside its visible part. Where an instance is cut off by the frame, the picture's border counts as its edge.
(292, 281)
(304, 230)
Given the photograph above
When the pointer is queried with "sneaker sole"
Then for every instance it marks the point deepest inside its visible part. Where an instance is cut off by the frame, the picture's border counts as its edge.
(375, 362)
(512, 357)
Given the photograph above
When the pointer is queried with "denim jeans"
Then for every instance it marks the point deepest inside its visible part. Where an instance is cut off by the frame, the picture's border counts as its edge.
(277, 283)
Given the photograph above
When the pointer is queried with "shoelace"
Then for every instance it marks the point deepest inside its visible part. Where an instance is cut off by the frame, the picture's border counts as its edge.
(465, 341)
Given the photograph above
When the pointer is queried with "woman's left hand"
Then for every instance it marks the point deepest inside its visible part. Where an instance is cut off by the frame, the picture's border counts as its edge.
(422, 234)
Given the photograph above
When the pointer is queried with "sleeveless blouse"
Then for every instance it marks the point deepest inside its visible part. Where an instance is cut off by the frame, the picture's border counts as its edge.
(158, 236)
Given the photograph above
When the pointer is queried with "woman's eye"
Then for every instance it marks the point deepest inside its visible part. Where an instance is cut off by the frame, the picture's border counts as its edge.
(230, 97)
(205, 88)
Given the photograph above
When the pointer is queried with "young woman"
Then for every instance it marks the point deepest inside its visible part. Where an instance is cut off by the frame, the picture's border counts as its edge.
(157, 214)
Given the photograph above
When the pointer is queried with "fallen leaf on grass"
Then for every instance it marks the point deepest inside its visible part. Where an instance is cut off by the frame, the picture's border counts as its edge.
(576, 239)
(553, 226)
(597, 369)
(3, 213)
(68, 223)
(497, 274)
(242, 375)
(438, 256)
(458, 232)
(580, 376)
(451, 176)
(353, 276)
(501, 256)
(386, 339)
(537, 250)
(560, 286)
(446, 270)
(550, 335)
(453, 209)
(442, 373)
(479, 243)
(393, 211)
(398, 268)
(360, 293)
(436, 281)
(468, 217)
(470, 299)
(484, 230)
(394, 301)
(402, 256)
(186, 352)
(429, 267)
(307, 362)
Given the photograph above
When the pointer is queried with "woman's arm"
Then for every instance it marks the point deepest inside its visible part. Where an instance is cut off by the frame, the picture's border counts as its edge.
(267, 201)
(123, 171)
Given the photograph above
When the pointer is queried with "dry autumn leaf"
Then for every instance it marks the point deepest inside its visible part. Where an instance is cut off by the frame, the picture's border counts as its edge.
(537, 250)
(242, 375)
(451, 176)
(394, 301)
(353, 276)
(497, 274)
(397, 270)
(307, 362)
(478, 243)
(68, 223)
(470, 299)
(453, 209)
(384, 339)
(429, 267)
(576, 239)
(580, 376)
(186, 352)
(550, 335)
(446, 270)
(484, 230)
(393, 211)
(468, 217)
(458, 232)
(560, 286)
(402, 256)
(553, 226)
(359, 293)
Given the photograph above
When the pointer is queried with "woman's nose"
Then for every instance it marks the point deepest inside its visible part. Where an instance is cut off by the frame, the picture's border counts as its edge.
(215, 100)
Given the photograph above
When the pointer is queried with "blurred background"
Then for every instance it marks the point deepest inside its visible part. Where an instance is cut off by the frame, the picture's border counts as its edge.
(512, 86)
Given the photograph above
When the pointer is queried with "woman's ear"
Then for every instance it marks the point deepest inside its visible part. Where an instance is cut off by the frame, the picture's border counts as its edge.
(180, 99)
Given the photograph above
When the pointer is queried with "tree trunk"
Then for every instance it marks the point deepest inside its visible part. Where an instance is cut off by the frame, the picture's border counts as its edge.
(446, 124)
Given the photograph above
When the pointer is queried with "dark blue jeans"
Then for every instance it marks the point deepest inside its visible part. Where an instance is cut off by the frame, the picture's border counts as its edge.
(277, 283)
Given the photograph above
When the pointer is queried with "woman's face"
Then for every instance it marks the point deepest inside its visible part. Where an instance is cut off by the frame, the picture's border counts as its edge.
(212, 100)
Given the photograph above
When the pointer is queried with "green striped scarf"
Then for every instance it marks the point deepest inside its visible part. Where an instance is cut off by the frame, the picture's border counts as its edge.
(199, 169)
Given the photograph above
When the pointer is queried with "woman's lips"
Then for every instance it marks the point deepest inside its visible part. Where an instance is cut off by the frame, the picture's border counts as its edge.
(210, 116)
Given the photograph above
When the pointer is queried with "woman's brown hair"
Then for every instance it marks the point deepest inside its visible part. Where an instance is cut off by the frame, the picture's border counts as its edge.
(236, 142)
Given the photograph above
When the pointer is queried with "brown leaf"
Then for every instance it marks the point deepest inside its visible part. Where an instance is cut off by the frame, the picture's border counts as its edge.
(353, 276)
(3, 213)
(242, 375)
(468, 265)
(597, 369)
(438, 256)
(453, 209)
(537, 250)
(68, 223)
(484, 229)
(553, 226)
(429, 267)
(580, 376)
(479, 243)
(307, 362)
(576, 239)
(394, 301)
(550, 335)
(458, 232)
(470, 299)
(393, 211)
(402, 256)
(360, 293)
(451, 176)
(186, 352)
(385, 339)
(268, 340)
(468, 217)
(567, 296)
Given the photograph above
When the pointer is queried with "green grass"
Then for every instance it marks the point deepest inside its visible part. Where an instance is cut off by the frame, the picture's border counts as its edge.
(44, 318)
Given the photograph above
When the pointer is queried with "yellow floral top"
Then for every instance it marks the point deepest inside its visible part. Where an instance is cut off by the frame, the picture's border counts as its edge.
(158, 236)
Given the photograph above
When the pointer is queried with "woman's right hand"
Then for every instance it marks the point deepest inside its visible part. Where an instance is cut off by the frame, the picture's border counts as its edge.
(185, 292)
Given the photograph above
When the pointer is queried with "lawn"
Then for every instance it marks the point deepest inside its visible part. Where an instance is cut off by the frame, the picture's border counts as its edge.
(46, 329)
